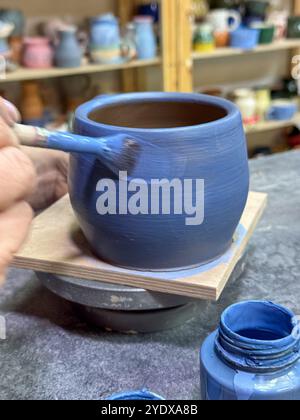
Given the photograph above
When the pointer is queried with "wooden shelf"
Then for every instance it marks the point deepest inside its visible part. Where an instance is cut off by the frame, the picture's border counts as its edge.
(285, 44)
(35, 74)
(271, 125)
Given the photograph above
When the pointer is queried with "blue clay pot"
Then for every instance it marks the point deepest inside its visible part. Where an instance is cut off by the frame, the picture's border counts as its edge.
(135, 396)
(255, 355)
(203, 138)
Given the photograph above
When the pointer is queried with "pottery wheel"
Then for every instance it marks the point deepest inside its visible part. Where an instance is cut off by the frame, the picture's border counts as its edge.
(126, 309)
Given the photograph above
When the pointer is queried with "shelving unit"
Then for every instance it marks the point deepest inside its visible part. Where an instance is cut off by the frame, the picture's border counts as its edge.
(272, 125)
(23, 74)
(286, 44)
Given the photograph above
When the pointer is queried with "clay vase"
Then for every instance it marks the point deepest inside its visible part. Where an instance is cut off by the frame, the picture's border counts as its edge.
(68, 52)
(205, 139)
(146, 42)
(16, 46)
(38, 53)
(32, 108)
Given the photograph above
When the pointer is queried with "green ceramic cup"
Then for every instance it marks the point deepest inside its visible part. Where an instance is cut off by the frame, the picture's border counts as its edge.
(267, 32)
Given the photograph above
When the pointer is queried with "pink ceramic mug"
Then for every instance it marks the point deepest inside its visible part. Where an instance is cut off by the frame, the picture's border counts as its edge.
(38, 53)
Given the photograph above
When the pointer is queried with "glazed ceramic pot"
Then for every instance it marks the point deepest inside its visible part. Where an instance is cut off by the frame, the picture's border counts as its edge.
(105, 39)
(204, 40)
(146, 43)
(254, 355)
(32, 108)
(202, 138)
(224, 20)
(244, 38)
(293, 27)
(68, 52)
(37, 53)
(16, 18)
(152, 10)
(246, 102)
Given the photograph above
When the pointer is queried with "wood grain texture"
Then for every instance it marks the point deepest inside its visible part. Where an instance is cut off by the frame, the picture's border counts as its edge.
(56, 246)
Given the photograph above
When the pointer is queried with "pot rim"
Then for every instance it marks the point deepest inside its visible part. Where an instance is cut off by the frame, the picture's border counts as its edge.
(83, 112)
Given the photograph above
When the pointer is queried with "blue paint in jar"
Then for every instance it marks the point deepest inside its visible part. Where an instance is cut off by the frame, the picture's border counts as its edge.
(255, 355)
(136, 396)
(206, 136)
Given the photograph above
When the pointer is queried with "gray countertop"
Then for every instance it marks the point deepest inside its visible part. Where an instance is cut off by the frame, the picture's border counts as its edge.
(50, 354)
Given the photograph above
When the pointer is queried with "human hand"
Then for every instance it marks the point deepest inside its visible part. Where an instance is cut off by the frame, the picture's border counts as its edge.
(17, 182)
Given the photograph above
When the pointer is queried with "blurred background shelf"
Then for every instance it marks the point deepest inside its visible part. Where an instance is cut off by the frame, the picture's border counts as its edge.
(23, 74)
(272, 125)
(285, 44)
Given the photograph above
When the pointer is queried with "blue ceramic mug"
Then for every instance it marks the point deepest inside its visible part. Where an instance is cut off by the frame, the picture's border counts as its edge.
(244, 38)
(206, 133)
(282, 110)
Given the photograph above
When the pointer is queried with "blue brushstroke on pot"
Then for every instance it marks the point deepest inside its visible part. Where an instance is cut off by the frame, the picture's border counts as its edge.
(68, 52)
(145, 38)
(244, 38)
(255, 354)
(136, 396)
(208, 145)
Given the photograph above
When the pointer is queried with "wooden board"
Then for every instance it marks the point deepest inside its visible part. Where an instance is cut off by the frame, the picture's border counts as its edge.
(51, 249)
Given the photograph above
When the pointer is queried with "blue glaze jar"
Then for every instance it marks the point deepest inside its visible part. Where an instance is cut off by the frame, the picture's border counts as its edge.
(16, 17)
(204, 138)
(145, 38)
(255, 355)
(68, 52)
(136, 396)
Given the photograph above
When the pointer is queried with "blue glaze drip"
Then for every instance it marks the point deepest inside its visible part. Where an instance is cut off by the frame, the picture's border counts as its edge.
(254, 355)
(136, 395)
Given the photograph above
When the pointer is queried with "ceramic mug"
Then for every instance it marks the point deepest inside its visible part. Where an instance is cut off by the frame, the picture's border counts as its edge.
(244, 38)
(205, 136)
(267, 32)
(282, 110)
(224, 20)
(37, 53)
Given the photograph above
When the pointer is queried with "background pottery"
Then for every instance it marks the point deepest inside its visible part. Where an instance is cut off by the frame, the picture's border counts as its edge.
(68, 52)
(146, 43)
(282, 110)
(252, 356)
(204, 40)
(182, 125)
(38, 53)
(244, 38)
(293, 27)
(15, 17)
(224, 20)
(31, 107)
(105, 39)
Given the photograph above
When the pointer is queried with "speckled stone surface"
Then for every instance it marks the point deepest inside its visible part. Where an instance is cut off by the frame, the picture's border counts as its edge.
(50, 354)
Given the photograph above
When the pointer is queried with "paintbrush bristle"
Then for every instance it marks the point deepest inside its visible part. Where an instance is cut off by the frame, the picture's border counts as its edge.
(129, 156)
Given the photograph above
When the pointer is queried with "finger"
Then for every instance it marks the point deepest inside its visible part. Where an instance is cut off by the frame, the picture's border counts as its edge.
(14, 226)
(7, 136)
(9, 112)
(17, 176)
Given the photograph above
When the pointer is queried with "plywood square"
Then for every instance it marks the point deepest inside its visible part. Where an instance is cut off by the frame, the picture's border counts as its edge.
(56, 245)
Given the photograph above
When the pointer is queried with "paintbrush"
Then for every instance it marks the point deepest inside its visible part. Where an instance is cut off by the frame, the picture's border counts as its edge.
(119, 152)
